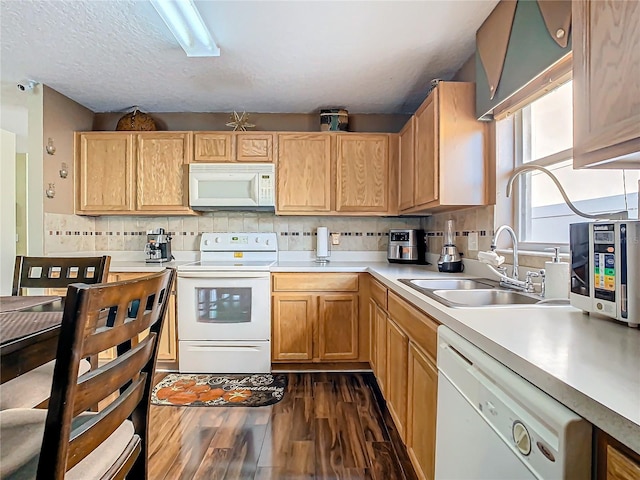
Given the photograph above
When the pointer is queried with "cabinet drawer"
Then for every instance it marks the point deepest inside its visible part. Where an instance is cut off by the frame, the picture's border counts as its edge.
(421, 328)
(324, 282)
(378, 293)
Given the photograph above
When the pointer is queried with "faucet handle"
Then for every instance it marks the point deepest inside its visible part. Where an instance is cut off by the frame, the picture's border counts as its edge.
(530, 275)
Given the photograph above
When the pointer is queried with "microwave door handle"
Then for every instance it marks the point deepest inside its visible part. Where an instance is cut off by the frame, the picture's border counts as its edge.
(256, 188)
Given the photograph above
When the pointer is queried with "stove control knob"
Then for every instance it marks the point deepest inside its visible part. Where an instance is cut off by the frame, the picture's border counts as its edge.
(206, 242)
(257, 239)
(266, 242)
(218, 239)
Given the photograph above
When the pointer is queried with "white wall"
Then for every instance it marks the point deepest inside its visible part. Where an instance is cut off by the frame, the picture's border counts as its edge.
(7, 210)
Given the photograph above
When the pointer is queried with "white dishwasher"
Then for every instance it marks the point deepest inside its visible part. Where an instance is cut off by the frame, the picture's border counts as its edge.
(494, 425)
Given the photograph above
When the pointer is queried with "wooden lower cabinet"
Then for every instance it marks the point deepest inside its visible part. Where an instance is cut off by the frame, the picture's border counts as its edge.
(614, 461)
(338, 326)
(380, 322)
(403, 357)
(421, 414)
(294, 317)
(168, 344)
(397, 372)
(313, 321)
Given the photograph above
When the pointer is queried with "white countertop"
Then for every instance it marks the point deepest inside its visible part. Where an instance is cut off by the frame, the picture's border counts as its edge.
(589, 364)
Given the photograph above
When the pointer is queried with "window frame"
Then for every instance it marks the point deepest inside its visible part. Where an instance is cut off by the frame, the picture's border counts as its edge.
(521, 207)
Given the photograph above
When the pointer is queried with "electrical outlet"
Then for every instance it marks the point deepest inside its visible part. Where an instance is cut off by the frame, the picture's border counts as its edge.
(473, 241)
(335, 239)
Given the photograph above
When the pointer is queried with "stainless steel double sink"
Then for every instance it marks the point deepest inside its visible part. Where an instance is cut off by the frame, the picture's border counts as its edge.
(474, 293)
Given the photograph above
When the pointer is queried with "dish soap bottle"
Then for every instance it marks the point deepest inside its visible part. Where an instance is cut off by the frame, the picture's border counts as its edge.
(557, 276)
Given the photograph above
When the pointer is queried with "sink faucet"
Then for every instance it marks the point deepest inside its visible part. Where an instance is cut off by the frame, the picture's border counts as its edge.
(514, 240)
(514, 282)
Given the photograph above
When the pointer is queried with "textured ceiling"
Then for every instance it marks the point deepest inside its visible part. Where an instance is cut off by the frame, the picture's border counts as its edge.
(276, 56)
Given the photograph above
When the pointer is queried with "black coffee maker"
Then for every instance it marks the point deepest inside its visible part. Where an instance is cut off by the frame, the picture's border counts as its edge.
(158, 247)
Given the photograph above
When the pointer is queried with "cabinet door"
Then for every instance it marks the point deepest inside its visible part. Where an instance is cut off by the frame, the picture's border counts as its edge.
(362, 169)
(161, 174)
(338, 327)
(405, 193)
(304, 173)
(421, 414)
(294, 318)
(167, 344)
(254, 147)
(213, 147)
(381, 349)
(372, 335)
(104, 172)
(606, 83)
(615, 461)
(397, 370)
(426, 151)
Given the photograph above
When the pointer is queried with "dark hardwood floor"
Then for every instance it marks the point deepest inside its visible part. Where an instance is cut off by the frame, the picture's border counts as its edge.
(328, 426)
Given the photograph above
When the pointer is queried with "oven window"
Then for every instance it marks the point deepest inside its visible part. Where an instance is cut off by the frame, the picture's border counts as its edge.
(224, 305)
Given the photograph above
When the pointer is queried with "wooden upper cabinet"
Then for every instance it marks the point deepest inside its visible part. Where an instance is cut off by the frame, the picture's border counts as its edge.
(104, 173)
(450, 165)
(425, 188)
(304, 173)
(161, 175)
(606, 84)
(254, 147)
(122, 173)
(362, 169)
(222, 147)
(213, 147)
(406, 175)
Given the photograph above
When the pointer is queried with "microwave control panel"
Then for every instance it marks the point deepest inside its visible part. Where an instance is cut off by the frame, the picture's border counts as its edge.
(604, 262)
(265, 186)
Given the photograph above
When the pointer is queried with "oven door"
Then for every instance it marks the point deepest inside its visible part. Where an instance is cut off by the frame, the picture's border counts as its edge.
(224, 306)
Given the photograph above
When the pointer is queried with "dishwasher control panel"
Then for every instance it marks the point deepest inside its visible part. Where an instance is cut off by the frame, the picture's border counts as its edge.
(551, 440)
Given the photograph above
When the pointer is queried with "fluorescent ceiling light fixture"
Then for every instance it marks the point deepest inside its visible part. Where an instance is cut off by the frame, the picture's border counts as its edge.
(184, 21)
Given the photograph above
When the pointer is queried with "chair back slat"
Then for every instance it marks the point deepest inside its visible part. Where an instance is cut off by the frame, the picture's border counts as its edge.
(92, 387)
(58, 272)
(97, 318)
(90, 434)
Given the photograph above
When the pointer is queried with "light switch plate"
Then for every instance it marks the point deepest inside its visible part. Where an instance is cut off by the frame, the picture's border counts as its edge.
(335, 239)
(473, 241)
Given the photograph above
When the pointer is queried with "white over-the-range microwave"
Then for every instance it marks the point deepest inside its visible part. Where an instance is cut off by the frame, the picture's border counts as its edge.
(231, 185)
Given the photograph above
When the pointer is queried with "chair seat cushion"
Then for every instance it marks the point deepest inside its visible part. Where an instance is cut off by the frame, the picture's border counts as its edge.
(33, 387)
(21, 430)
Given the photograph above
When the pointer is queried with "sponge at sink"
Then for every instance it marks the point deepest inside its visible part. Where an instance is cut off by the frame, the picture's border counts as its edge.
(492, 258)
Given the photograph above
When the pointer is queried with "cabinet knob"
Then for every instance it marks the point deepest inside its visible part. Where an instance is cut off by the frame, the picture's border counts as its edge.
(560, 33)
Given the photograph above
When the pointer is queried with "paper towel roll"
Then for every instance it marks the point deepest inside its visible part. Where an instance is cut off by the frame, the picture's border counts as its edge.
(557, 279)
(322, 243)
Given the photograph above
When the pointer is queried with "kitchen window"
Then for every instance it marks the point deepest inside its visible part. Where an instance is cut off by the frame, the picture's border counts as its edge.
(543, 132)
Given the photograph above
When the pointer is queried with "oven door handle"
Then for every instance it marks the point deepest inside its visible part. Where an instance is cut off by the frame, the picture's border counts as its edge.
(219, 275)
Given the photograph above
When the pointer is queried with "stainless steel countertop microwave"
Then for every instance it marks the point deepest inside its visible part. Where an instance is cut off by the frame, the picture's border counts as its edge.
(231, 185)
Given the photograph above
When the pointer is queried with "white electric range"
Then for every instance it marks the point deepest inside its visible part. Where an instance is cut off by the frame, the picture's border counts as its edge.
(224, 305)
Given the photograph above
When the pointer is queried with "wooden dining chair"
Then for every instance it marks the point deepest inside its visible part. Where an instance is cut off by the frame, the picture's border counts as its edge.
(32, 388)
(58, 272)
(66, 441)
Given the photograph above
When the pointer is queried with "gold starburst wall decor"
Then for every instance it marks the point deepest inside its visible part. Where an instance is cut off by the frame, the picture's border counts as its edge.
(240, 121)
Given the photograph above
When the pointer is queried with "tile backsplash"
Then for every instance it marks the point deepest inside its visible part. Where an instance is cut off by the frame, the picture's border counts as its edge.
(477, 219)
(65, 233)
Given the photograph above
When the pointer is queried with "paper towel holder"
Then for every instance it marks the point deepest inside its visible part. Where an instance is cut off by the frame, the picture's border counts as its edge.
(322, 246)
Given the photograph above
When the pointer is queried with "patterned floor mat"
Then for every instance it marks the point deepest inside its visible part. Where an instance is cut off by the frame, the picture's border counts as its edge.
(205, 390)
